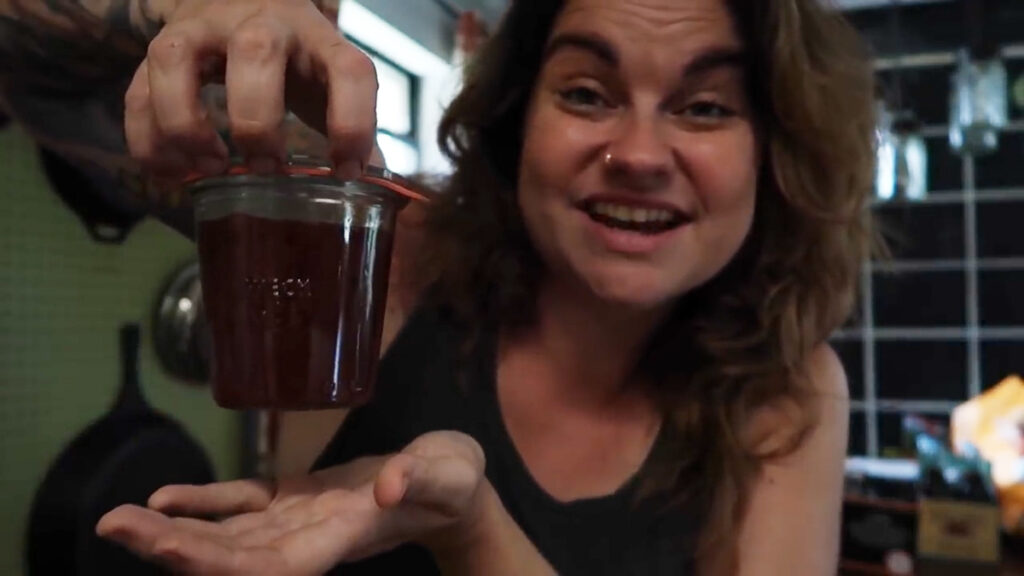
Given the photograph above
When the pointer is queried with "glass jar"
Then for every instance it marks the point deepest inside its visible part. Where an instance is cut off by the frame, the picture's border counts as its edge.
(294, 270)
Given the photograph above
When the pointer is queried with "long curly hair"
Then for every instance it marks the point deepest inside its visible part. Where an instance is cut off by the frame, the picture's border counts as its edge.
(736, 344)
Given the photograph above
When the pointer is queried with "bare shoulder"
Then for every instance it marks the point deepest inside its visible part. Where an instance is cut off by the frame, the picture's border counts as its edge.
(792, 523)
(826, 374)
(774, 425)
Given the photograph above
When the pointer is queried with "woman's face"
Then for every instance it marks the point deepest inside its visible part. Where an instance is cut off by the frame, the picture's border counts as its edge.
(640, 161)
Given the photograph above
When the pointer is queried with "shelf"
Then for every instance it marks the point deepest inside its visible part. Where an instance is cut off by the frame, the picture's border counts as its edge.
(931, 333)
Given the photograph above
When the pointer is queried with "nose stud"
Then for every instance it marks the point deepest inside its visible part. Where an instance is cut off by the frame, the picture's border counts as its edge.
(608, 159)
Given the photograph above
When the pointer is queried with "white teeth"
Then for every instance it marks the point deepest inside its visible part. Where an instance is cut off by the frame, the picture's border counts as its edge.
(631, 214)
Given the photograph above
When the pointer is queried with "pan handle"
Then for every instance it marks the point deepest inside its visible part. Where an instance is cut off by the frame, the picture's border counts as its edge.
(130, 397)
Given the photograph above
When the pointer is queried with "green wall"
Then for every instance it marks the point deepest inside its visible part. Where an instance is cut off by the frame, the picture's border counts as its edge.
(62, 299)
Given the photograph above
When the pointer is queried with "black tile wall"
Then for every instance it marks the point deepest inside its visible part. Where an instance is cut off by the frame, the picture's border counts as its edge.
(930, 367)
(1001, 229)
(1001, 295)
(1015, 70)
(929, 370)
(919, 298)
(945, 168)
(851, 353)
(890, 431)
(1000, 359)
(1003, 168)
(857, 443)
(923, 231)
(918, 87)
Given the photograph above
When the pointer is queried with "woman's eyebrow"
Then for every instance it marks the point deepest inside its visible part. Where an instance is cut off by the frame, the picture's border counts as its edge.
(714, 59)
(707, 61)
(591, 43)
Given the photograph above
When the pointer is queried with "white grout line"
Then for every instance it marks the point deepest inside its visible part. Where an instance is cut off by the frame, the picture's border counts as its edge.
(957, 197)
(1003, 264)
(950, 265)
(938, 59)
(920, 266)
(971, 275)
(1014, 126)
(932, 333)
(868, 349)
(901, 406)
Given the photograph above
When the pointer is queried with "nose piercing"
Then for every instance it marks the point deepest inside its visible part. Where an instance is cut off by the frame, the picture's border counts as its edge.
(608, 159)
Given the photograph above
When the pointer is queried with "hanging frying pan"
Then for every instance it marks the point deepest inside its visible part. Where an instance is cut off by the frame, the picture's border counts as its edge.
(97, 200)
(122, 458)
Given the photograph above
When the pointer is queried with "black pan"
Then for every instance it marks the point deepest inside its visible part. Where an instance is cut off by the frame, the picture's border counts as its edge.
(101, 203)
(122, 458)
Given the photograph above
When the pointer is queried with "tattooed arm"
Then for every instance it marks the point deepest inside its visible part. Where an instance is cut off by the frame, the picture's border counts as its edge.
(68, 66)
(76, 45)
(64, 67)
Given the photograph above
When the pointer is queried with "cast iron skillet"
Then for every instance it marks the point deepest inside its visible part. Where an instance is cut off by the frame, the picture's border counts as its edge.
(121, 458)
(103, 206)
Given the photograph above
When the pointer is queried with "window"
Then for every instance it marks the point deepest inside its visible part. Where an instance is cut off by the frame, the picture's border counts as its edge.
(396, 114)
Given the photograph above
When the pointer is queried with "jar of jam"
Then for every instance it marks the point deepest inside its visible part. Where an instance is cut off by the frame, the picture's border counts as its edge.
(294, 270)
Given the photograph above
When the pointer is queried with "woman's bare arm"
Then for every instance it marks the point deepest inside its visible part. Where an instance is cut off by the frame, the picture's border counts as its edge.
(793, 523)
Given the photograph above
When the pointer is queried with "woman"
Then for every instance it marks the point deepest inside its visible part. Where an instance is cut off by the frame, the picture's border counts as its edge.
(610, 356)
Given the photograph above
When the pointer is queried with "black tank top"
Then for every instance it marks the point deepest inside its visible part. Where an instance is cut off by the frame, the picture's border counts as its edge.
(419, 389)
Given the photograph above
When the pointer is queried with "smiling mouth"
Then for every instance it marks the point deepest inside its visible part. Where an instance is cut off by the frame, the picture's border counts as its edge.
(645, 220)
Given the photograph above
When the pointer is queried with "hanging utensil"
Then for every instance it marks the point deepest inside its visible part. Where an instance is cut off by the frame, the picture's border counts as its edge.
(979, 103)
(902, 157)
(121, 458)
(91, 196)
(181, 335)
(911, 154)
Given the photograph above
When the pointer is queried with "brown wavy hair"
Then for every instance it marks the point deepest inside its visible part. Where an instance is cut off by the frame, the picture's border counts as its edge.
(738, 343)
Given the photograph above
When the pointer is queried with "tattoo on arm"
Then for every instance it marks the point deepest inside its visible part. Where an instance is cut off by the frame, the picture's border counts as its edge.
(71, 45)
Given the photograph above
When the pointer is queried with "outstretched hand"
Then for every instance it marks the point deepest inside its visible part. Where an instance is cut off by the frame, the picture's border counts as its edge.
(307, 525)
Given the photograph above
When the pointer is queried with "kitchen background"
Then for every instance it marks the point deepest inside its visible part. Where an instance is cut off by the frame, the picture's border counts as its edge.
(939, 323)
(944, 318)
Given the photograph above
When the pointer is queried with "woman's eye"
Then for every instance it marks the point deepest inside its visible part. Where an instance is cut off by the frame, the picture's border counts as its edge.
(583, 97)
(707, 110)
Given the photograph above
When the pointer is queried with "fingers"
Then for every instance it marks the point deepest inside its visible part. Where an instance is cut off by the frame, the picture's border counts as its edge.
(184, 546)
(133, 527)
(258, 56)
(268, 51)
(144, 138)
(175, 67)
(444, 483)
(394, 478)
(351, 118)
(221, 499)
(147, 533)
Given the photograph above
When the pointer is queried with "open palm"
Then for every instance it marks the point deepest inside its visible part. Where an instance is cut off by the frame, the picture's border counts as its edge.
(309, 524)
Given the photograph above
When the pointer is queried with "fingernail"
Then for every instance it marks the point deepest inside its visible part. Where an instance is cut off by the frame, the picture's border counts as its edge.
(263, 165)
(210, 166)
(349, 170)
